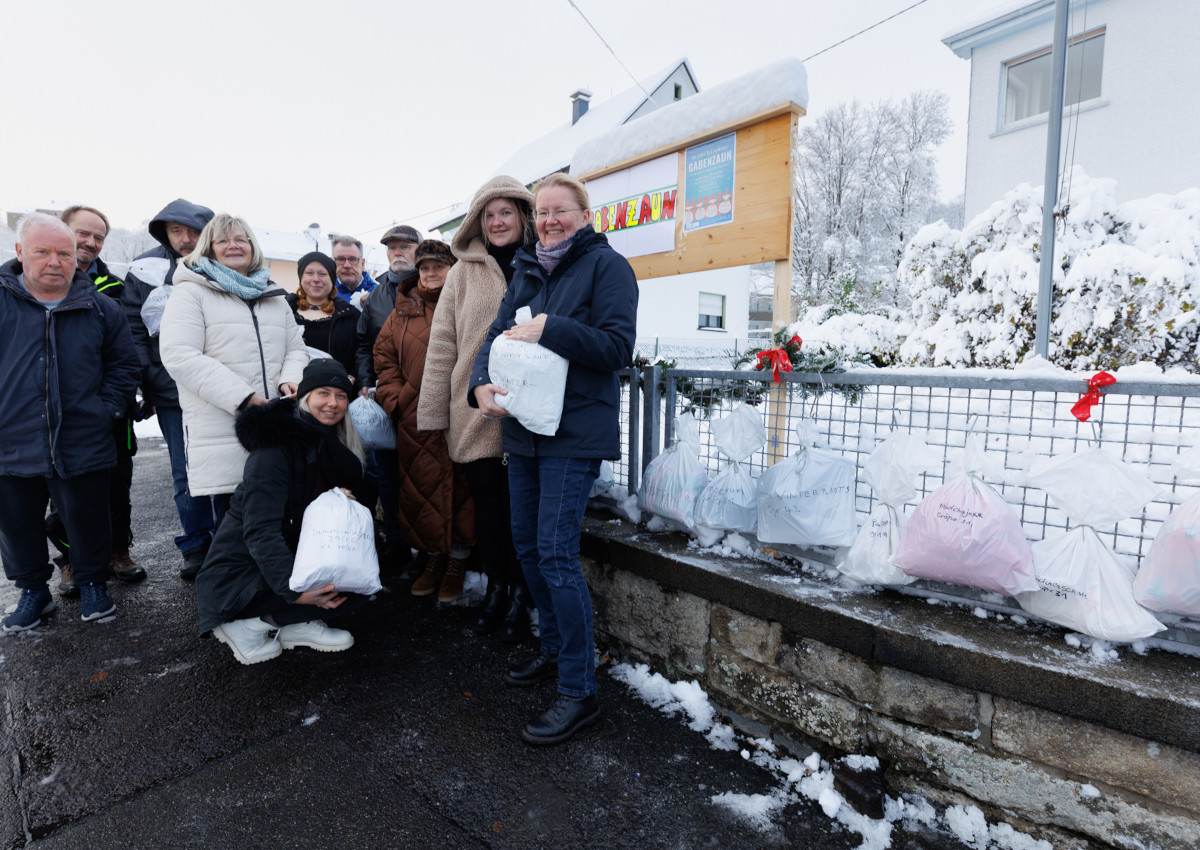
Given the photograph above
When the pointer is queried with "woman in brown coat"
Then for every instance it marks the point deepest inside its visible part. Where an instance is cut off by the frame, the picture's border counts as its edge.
(498, 222)
(435, 503)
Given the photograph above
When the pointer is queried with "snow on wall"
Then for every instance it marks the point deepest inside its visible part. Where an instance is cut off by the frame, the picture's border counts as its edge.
(780, 82)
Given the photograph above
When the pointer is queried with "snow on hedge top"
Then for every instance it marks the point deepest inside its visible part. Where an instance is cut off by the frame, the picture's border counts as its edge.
(780, 82)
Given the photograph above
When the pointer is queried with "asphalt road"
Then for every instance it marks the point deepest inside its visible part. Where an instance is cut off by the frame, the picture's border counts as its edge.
(134, 732)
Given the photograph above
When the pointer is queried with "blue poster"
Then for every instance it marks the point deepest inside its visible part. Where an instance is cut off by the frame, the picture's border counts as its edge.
(708, 183)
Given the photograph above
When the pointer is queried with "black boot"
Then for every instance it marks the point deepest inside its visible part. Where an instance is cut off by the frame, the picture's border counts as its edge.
(565, 716)
(538, 669)
(491, 612)
(515, 627)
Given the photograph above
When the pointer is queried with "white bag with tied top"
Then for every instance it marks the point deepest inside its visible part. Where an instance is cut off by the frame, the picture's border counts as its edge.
(535, 379)
(337, 546)
(674, 480)
(1169, 579)
(730, 501)
(807, 499)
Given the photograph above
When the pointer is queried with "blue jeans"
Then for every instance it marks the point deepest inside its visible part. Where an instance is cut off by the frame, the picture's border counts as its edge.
(196, 513)
(549, 496)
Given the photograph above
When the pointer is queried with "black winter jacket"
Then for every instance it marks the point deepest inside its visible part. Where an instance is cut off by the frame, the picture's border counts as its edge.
(70, 374)
(337, 336)
(147, 272)
(591, 306)
(293, 459)
(105, 281)
(379, 306)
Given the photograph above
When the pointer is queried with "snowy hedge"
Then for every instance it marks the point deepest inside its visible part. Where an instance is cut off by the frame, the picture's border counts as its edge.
(1126, 286)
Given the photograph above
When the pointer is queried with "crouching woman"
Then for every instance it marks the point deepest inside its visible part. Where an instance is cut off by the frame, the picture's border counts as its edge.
(298, 449)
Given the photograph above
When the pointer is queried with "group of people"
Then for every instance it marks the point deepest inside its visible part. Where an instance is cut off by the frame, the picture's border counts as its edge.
(252, 386)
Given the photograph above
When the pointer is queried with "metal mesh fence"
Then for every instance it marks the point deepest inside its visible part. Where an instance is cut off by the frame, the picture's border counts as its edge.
(1020, 417)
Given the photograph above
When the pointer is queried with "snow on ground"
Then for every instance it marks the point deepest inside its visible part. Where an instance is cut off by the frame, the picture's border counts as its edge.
(812, 778)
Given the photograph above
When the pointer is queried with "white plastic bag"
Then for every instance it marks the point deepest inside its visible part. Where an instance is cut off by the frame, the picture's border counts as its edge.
(372, 423)
(605, 486)
(730, 501)
(965, 533)
(674, 480)
(889, 471)
(337, 545)
(1083, 585)
(153, 306)
(1169, 579)
(807, 499)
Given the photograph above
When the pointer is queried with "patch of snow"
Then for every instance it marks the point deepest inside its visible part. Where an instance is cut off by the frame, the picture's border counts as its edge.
(969, 825)
(46, 780)
(756, 809)
(1090, 791)
(1073, 640)
(981, 613)
(310, 720)
(859, 763)
(830, 802)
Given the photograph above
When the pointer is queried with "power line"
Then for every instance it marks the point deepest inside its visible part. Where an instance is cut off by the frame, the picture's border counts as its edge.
(394, 222)
(636, 82)
(860, 32)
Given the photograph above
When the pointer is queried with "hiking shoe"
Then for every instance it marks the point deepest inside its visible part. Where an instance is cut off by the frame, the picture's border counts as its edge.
(315, 635)
(125, 568)
(538, 669)
(430, 580)
(96, 602)
(565, 716)
(251, 640)
(192, 562)
(67, 588)
(34, 603)
(452, 582)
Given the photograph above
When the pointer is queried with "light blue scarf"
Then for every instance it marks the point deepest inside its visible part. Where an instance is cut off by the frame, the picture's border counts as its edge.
(247, 288)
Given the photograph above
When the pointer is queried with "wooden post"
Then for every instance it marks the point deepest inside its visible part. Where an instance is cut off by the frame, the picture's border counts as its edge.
(781, 317)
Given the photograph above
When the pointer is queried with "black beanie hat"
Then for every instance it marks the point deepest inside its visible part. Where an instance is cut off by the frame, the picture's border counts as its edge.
(317, 257)
(325, 372)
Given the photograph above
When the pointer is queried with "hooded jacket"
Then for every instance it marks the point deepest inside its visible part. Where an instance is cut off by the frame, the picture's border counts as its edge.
(435, 503)
(70, 375)
(470, 299)
(221, 350)
(591, 305)
(378, 307)
(292, 459)
(146, 273)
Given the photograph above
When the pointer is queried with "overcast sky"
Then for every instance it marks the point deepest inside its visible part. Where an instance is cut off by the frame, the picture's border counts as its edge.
(358, 113)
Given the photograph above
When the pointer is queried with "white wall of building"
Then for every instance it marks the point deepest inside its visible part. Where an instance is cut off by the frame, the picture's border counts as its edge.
(1141, 131)
(669, 307)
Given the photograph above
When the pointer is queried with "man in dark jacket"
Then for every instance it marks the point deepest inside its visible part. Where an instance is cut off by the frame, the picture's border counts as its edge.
(54, 435)
(176, 227)
(90, 228)
(383, 467)
(353, 285)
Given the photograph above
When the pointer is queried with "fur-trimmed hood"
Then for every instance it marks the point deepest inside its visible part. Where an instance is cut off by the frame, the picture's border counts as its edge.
(471, 229)
(279, 424)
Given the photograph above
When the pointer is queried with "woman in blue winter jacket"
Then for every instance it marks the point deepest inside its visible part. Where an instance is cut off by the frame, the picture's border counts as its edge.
(583, 298)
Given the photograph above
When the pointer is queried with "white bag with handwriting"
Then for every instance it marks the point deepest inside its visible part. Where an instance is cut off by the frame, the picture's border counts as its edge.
(337, 545)
(807, 499)
(674, 480)
(535, 378)
(730, 501)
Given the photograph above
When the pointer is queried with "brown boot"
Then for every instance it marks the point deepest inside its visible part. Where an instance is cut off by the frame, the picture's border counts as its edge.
(125, 568)
(451, 589)
(429, 580)
(66, 580)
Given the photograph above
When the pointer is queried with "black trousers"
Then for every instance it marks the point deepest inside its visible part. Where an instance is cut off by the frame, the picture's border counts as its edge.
(284, 613)
(82, 502)
(120, 510)
(487, 480)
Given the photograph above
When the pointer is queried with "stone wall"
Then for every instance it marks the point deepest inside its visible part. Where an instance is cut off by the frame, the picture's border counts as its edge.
(957, 709)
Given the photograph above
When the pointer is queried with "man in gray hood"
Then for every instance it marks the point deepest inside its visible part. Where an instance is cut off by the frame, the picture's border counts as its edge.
(177, 228)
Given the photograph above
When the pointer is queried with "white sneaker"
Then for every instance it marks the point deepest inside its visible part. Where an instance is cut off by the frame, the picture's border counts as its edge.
(315, 635)
(250, 640)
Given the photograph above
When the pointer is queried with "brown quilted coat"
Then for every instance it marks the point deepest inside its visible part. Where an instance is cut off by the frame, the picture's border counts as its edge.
(435, 504)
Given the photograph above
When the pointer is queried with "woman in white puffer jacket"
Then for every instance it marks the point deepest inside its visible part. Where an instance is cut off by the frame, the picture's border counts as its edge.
(229, 340)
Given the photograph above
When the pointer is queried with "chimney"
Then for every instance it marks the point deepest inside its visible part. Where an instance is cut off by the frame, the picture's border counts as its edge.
(579, 103)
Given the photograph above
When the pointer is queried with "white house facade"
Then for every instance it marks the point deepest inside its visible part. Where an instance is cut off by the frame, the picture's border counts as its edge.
(1130, 96)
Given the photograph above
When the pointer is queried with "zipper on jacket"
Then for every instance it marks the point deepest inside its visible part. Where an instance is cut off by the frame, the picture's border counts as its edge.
(262, 358)
(504, 459)
(49, 425)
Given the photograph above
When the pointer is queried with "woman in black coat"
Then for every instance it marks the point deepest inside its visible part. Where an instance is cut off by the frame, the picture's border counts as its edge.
(328, 323)
(297, 451)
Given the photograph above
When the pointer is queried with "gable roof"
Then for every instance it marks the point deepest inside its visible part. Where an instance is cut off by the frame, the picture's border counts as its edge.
(1000, 21)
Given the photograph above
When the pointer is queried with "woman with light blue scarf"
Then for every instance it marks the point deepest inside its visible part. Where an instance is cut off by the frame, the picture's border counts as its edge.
(229, 340)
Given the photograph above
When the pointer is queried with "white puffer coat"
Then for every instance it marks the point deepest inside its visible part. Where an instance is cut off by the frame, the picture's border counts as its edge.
(220, 350)
(470, 298)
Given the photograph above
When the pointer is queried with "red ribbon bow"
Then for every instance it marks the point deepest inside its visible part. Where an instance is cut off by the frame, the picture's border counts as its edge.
(778, 358)
(1082, 409)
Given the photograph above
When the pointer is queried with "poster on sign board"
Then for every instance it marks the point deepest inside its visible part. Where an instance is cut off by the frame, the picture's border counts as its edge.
(709, 183)
(635, 207)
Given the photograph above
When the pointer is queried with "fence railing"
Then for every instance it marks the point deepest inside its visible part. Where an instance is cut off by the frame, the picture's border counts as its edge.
(1020, 416)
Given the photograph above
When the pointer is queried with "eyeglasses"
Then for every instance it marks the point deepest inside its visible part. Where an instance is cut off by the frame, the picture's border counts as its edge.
(542, 215)
(341, 261)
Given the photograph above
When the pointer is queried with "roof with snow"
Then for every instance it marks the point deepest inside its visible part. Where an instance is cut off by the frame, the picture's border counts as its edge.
(1000, 21)
(780, 83)
(553, 151)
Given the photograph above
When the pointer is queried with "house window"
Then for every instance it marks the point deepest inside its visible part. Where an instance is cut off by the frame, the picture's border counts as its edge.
(712, 311)
(1027, 78)
(678, 92)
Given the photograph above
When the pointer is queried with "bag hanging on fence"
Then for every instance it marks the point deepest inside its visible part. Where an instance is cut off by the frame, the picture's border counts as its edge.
(674, 480)
(807, 499)
(605, 486)
(1169, 580)
(730, 501)
(889, 471)
(965, 533)
(1083, 585)
(372, 423)
(535, 377)
(337, 545)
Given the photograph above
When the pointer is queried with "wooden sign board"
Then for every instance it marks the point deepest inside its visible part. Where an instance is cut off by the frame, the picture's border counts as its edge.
(761, 230)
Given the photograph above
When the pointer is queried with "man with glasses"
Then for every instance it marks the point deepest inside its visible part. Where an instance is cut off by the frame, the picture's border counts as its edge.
(353, 284)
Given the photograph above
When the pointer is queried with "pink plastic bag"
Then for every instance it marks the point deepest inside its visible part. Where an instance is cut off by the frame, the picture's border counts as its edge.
(965, 533)
(1169, 579)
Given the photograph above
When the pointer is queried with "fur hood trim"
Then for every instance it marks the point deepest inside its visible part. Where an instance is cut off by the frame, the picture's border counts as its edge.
(278, 424)
(472, 225)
